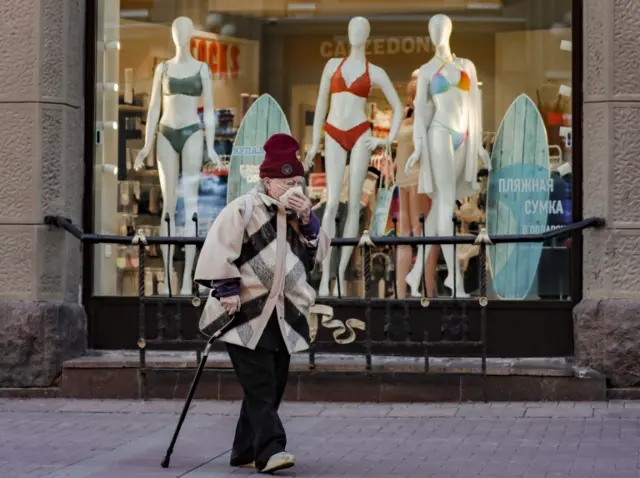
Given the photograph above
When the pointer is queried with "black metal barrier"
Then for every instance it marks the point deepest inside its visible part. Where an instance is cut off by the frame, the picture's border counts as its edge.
(454, 322)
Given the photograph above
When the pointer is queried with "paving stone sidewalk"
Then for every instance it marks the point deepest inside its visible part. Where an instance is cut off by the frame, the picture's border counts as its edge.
(123, 439)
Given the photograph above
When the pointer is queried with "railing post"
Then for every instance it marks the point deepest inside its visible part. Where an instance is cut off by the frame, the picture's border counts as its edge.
(168, 260)
(424, 303)
(194, 287)
(454, 219)
(337, 263)
(423, 280)
(366, 243)
(483, 240)
(141, 241)
(394, 258)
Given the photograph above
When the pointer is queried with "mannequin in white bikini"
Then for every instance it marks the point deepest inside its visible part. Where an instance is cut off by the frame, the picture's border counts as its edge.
(344, 89)
(412, 205)
(447, 137)
(178, 85)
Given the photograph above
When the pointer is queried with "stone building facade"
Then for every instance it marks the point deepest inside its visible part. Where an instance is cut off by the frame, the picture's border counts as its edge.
(42, 118)
(607, 329)
(42, 163)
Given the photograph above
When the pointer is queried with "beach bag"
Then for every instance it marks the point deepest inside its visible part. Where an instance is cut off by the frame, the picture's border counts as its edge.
(214, 321)
(383, 198)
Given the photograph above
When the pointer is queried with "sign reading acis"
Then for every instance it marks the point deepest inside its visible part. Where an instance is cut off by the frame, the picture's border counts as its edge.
(222, 58)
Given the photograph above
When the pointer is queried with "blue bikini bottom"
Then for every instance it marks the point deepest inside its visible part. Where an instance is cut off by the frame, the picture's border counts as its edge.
(457, 137)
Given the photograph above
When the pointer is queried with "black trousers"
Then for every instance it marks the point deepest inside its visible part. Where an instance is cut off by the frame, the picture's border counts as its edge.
(263, 374)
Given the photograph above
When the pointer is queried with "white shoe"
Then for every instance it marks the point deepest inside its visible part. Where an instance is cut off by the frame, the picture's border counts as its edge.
(460, 292)
(279, 461)
(413, 280)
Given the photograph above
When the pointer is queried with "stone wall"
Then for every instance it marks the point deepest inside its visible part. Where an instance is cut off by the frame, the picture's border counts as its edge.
(42, 172)
(607, 321)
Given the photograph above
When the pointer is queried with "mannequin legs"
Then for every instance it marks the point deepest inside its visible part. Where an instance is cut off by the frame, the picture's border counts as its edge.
(358, 168)
(412, 205)
(192, 155)
(169, 170)
(447, 166)
(336, 163)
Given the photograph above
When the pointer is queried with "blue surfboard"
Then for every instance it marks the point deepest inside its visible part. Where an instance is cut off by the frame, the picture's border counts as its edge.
(263, 119)
(518, 197)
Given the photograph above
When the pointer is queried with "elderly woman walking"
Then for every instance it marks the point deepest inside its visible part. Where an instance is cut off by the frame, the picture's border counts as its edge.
(257, 257)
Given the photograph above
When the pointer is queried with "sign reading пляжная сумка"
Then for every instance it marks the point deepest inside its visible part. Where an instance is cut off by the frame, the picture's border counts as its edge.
(518, 200)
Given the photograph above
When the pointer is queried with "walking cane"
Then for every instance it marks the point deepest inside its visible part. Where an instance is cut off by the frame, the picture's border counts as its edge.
(192, 391)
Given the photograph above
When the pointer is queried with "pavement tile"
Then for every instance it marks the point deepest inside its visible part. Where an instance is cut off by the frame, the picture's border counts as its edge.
(421, 412)
(560, 412)
(301, 409)
(33, 404)
(617, 412)
(120, 439)
(507, 411)
(94, 406)
(364, 412)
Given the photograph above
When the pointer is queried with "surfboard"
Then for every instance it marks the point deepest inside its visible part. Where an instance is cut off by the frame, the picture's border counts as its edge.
(263, 119)
(518, 197)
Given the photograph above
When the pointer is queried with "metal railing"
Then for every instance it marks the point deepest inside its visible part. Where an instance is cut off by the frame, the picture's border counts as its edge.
(454, 327)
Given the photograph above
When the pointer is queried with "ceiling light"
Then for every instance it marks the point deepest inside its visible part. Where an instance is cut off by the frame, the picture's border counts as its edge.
(565, 90)
(565, 45)
(558, 75)
(110, 169)
(483, 6)
(140, 13)
(301, 7)
(213, 20)
(108, 86)
(228, 30)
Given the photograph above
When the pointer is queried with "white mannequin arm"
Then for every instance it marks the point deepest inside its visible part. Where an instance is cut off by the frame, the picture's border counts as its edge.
(322, 104)
(423, 109)
(475, 121)
(475, 98)
(394, 100)
(209, 111)
(153, 115)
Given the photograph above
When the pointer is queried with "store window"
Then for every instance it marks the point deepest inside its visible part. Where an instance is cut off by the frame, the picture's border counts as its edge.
(488, 75)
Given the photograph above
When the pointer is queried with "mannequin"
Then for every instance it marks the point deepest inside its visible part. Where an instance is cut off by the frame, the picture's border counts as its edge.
(412, 204)
(344, 90)
(178, 84)
(447, 138)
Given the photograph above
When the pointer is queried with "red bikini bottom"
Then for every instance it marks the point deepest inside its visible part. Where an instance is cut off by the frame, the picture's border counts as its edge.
(347, 139)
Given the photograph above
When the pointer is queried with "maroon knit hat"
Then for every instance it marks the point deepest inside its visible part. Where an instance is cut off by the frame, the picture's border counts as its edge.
(280, 160)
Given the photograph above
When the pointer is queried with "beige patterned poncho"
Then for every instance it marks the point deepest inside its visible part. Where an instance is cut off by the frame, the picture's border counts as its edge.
(272, 259)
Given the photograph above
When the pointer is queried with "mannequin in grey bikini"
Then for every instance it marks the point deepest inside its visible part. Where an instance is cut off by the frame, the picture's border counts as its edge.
(178, 85)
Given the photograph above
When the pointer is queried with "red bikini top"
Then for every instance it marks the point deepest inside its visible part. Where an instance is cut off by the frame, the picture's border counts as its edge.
(360, 87)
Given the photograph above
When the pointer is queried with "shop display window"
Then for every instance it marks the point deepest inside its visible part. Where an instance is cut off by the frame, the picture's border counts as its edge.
(515, 55)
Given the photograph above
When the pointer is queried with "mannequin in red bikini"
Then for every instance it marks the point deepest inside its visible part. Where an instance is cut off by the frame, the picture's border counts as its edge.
(344, 90)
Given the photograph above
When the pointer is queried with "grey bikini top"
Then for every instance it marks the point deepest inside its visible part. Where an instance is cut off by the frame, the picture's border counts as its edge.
(188, 86)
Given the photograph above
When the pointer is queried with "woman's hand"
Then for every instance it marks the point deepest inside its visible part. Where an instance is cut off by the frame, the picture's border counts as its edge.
(311, 156)
(301, 205)
(372, 143)
(412, 162)
(486, 158)
(140, 158)
(230, 304)
(213, 156)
